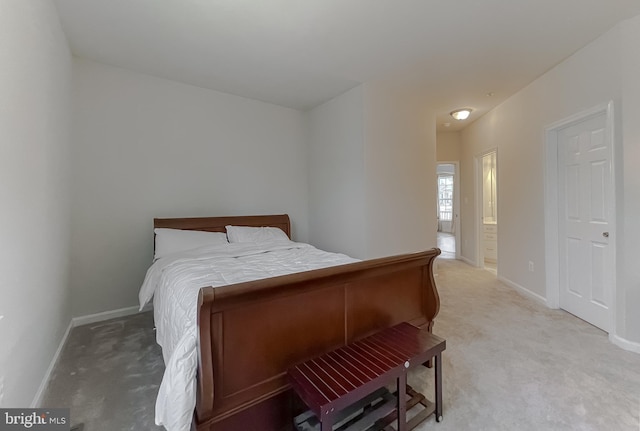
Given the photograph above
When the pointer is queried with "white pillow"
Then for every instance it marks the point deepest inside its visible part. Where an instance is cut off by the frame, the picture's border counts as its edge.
(255, 234)
(170, 241)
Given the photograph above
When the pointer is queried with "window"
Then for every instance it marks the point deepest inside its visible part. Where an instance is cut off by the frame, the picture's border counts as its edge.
(445, 197)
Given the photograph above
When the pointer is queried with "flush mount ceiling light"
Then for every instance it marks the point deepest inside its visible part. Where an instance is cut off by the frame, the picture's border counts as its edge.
(461, 114)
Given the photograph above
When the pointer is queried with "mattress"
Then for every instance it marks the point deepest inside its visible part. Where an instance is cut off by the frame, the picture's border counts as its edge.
(173, 283)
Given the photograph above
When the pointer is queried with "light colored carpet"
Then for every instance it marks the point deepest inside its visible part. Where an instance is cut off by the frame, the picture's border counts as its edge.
(109, 374)
(514, 364)
(510, 364)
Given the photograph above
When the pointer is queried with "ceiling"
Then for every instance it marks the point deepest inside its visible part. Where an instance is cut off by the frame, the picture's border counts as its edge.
(301, 53)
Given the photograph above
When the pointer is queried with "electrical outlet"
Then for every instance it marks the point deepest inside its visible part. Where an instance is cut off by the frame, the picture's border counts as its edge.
(530, 266)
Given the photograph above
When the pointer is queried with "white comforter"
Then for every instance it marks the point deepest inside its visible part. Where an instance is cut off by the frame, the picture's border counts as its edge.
(174, 282)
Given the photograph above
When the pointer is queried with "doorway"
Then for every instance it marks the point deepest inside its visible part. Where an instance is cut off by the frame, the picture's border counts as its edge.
(581, 218)
(487, 209)
(448, 204)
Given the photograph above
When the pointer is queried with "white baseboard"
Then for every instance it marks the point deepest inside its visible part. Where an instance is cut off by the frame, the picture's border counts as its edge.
(624, 343)
(37, 400)
(106, 315)
(79, 321)
(523, 290)
(467, 260)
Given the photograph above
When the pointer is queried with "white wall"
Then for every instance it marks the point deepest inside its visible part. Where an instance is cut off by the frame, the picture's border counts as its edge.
(629, 202)
(145, 147)
(400, 170)
(372, 174)
(448, 146)
(35, 76)
(336, 175)
(591, 77)
(516, 128)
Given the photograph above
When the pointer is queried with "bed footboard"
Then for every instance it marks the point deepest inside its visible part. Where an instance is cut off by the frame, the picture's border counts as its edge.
(250, 333)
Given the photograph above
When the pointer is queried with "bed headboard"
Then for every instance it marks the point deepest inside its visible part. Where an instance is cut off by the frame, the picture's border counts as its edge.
(217, 224)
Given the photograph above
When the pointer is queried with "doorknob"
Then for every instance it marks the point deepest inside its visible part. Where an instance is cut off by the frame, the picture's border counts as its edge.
(605, 234)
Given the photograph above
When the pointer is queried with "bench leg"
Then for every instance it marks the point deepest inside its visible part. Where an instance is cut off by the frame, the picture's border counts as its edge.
(438, 371)
(326, 422)
(402, 402)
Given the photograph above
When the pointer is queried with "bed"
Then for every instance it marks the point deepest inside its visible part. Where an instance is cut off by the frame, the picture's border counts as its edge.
(249, 333)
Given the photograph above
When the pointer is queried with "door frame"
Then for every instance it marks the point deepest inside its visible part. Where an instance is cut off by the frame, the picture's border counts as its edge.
(479, 208)
(551, 222)
(456, 201)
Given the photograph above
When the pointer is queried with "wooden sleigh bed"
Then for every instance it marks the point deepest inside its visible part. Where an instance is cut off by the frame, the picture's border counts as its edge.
(250, 333)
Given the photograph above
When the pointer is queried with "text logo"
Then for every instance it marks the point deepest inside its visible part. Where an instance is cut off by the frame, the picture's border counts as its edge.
(35, 419)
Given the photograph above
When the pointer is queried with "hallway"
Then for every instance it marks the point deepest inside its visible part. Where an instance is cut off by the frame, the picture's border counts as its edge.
(447, 243)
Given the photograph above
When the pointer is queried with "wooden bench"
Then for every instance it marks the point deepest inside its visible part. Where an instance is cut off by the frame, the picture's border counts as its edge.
(331, 382)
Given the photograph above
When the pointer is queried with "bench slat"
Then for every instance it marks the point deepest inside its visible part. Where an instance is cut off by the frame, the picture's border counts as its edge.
(332, 381)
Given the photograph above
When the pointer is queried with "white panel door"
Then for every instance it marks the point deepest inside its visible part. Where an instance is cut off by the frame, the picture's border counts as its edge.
(585, 191)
